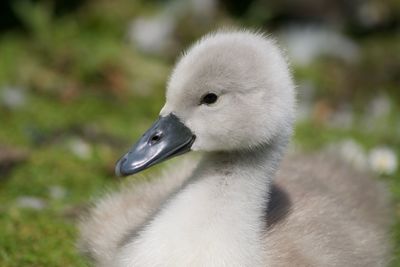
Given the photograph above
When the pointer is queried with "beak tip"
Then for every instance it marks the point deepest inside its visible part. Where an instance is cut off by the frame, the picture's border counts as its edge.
(118, 169)
(122, 170)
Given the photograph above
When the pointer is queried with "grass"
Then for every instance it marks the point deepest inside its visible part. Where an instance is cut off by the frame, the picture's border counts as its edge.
(46, 237)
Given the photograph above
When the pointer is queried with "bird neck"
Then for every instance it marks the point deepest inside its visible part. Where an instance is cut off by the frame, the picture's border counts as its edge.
(216, 218)
(242, 177)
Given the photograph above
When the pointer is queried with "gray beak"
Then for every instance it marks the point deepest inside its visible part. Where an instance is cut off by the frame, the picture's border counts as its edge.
(166, 138)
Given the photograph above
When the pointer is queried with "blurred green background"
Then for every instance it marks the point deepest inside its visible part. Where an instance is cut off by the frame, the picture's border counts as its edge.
(80, 80)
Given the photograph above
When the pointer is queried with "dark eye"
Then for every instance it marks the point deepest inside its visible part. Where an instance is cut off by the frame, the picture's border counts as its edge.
(209, 98)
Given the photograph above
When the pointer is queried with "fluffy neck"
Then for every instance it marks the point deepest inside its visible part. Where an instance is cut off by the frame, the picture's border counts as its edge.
(216, 219)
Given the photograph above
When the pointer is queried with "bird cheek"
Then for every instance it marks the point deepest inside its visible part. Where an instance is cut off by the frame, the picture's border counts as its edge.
(197, 128)
(196, 146)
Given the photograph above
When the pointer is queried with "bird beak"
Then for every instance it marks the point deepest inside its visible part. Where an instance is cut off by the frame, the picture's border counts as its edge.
(166, 138)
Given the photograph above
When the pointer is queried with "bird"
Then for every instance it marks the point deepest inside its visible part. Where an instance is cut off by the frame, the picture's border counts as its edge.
(239, 199)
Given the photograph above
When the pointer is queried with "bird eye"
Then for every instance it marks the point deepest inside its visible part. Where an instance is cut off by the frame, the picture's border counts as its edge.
(209, 98)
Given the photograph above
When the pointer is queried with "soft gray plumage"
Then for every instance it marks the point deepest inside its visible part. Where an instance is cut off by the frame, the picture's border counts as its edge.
(224, 209)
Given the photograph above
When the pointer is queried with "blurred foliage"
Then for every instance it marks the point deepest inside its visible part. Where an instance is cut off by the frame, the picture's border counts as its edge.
(75, 90)
(66, 56)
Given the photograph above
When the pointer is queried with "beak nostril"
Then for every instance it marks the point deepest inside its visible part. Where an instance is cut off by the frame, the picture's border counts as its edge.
(155, 138)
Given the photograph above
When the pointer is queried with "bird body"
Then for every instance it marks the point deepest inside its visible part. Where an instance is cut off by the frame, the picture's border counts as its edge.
(231, 96)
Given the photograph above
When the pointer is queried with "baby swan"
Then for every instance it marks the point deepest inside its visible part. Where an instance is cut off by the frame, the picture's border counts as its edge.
(232, 97)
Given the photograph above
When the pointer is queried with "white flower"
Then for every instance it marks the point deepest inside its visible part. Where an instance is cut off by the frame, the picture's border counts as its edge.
(13, 97)
(204, 8)
(57, 192)
(383, 160)
(30, 202)
(379, 106)
(353, 153)
(305, 44)
(151, 34)
(80, 148)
